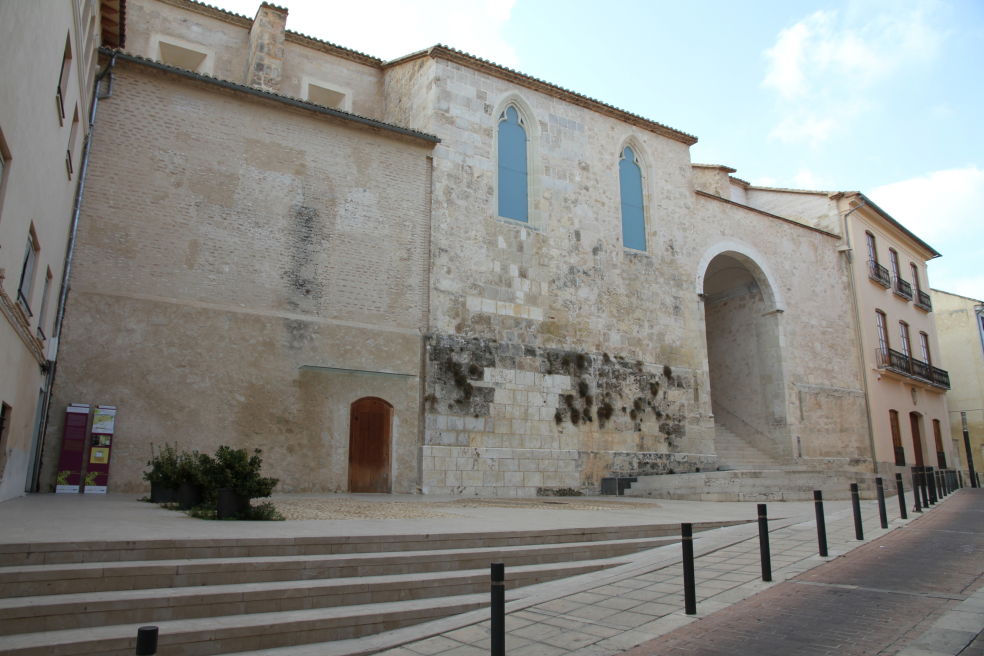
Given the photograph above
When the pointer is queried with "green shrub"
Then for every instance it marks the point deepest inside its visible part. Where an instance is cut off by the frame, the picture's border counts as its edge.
(238, 470)
(164, 469)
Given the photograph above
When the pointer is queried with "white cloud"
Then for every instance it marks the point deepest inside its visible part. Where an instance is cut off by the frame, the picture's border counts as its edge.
(945, 209)
(820, 66)
(392, 28)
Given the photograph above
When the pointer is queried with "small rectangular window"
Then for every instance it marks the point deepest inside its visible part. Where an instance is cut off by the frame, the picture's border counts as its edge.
(924, 344)
(181, 57)
(882, 329)
(904, 338)
(63, 78)
(325, 96)
(27, 272)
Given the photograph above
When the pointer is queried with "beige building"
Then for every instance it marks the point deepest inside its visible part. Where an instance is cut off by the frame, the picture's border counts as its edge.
(48, 69)
(900, 353)
(438, 274)
(960, 322)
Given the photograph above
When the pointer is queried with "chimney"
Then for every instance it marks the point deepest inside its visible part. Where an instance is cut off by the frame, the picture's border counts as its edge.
(266, 48)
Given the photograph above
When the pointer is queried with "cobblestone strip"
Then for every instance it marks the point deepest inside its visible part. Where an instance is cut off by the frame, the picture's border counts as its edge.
(619, 615)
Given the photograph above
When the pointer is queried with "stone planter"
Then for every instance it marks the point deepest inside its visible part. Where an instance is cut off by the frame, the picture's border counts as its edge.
(189, 496)
(230, 505)
(161, 494)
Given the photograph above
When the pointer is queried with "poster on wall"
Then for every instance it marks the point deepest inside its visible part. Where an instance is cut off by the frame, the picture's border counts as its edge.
(69, 477)
(100, 445)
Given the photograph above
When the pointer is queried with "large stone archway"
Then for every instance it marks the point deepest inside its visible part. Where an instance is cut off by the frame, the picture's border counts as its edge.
(744, 353)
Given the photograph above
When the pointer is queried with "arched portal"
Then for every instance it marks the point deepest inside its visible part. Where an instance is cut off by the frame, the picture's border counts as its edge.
(744, 353)
(370, 422)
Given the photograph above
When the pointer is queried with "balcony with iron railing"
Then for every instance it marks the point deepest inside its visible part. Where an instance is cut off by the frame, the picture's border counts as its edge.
(902, 288)
(923, 301)
(900, 363)
(879, 274)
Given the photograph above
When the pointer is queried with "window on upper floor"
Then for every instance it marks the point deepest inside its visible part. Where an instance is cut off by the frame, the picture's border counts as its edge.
(184, 57)
(5, 412)
(72, 136)
(514, 196)
(43, 313)
(904, 339)
(893, 260)
(26, 285)
(63, 78)
(872, 249)
(881, 327)
(633, 211)
(924, 345)
(326, 96)
(4, 169)
(914, 270)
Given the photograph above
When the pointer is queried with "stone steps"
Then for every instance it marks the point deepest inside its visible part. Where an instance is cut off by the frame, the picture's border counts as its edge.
(227, 596)
(235, 633)
(753, 485)
(735, 453)
(32, 580)
(82, 610)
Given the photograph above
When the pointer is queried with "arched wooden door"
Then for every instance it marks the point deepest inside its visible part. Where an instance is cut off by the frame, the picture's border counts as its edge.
(916, 437)
(370, 422)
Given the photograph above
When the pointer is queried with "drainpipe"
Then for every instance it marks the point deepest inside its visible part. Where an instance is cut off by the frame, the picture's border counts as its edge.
(849, 252)
(49, 367)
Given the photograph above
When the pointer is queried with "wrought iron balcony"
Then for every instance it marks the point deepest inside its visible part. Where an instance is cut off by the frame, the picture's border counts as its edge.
(879, 274)
(906, 365)
(902, 288)
(923, 301)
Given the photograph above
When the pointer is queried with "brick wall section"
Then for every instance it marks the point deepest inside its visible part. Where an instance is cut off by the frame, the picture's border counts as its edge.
(226, 242)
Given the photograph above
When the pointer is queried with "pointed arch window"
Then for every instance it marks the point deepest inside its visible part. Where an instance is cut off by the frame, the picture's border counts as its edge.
(514, 195)
(633, 212)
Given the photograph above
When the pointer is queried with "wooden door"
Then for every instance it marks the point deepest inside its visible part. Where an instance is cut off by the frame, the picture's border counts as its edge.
(916, 438)
(370, 420)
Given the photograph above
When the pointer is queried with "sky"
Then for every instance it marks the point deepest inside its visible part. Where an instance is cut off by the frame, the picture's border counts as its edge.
(885, 97)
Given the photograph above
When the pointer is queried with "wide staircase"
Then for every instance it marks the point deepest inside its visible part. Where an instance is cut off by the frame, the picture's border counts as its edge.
(232, 595)
(735, 453)
(746, 473)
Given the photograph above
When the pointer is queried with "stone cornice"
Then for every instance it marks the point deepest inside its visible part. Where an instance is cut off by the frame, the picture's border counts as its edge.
(15, 316)
(210, 11)
(536, 84)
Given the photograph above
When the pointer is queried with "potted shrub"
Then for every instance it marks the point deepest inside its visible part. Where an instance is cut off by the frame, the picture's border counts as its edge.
(236, 479)
(163, 474)
(192, 475)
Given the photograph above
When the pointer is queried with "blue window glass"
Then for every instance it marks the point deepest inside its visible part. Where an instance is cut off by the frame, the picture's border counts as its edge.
(633, 215)
(513, 178)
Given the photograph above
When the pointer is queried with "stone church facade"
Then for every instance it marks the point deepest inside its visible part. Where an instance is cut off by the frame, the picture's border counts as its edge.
(323, 258)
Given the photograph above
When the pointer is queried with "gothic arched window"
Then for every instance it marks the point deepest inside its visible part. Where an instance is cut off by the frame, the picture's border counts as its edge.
(514, 193)
(633, 213)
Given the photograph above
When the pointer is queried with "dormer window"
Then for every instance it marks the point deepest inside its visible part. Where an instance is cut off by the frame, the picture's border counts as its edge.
(182, 54)
(328, 96)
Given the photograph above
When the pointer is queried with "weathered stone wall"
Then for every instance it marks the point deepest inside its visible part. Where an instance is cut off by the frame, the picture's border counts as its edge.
(508, 299)
(245, 271)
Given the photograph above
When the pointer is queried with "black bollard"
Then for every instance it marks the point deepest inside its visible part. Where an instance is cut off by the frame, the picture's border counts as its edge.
(498, 609)
(764, 543)
(856, 505)
(960, 482)
(689, 587)
(931, 485)
(900, 489)
(147, 641)
(821, 523)
(915, 492)
(925, 487)
(882, 513)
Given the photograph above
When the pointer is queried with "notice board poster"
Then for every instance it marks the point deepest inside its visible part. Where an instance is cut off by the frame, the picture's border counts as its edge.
(69, 477)
(100, 446)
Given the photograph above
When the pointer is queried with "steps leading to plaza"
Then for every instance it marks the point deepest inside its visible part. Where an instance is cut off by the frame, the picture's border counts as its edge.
(753, 485)
(736, 453)
(228, 595)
